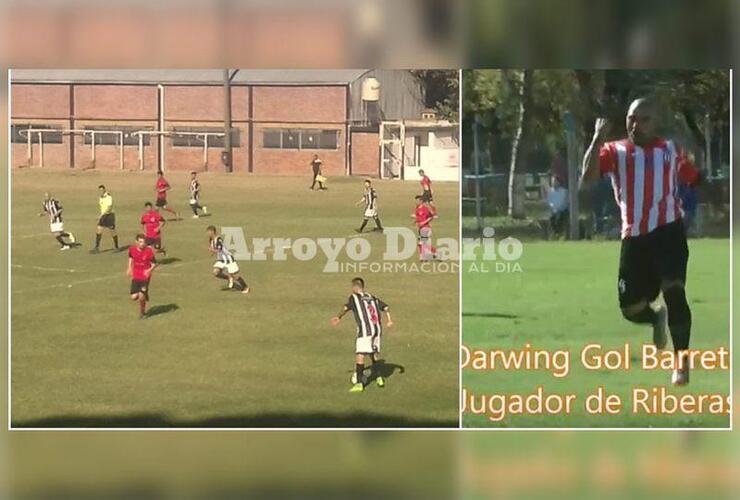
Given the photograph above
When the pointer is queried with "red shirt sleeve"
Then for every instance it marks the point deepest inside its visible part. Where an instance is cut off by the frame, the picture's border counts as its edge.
(686, 170)
(607, 159)
(130, 253)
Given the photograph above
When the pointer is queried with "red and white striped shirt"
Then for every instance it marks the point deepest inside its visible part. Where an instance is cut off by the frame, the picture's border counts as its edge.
(645, 182)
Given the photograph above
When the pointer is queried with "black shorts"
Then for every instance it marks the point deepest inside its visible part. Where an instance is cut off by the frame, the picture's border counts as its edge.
(139, 286)
(161, 202)
(154, 242)
(646, 261)
(107, 220)
(426, 196)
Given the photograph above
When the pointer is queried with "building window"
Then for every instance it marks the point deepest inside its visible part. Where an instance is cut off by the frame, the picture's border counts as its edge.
(16, 137)
(112, 139)
(195, 141)
(300, 139)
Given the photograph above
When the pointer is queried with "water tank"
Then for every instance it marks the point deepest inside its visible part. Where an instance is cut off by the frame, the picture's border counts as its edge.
(370, 89)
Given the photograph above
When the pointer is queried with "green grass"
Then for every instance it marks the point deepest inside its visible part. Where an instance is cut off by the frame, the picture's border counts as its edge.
(565, 298)
(81, 357)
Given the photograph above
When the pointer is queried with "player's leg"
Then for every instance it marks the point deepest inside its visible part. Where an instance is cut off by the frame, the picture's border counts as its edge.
(378, 225)
(114, 235)
(219, 271)
(98, 236)
(376, 363)
(357, 383)
(364, 223)
(194, 207)
(170, 210)
(239, 283)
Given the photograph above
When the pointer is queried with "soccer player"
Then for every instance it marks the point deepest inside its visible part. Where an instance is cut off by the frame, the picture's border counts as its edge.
(423, 216)
(195, 195)
(54, 209)
(645, 171)
(107, 219)
(225, 266)
(370, 199)
(426, 191)
(316, 168)
(152, 223)
(161, 188)
(367, 310)
(141, 263)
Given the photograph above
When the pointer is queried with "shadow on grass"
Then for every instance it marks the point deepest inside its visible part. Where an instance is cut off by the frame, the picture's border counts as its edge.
(168, 260)
(264, 420)
(161, 309)
(490, 315)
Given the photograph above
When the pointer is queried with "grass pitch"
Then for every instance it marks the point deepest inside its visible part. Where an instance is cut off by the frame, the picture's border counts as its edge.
(565, 297)
(209, 358)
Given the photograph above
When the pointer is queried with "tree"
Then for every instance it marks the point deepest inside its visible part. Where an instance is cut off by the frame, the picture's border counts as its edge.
(440, 90)
(521, 143)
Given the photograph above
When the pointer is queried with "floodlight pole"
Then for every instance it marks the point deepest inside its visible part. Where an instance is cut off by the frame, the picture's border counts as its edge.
(476, 165)
(226, 154)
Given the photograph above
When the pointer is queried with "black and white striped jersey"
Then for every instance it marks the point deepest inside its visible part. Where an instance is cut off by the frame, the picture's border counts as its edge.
(194, 189)
(222, 253)
(367, 309)
(54, 209)
(371, 199)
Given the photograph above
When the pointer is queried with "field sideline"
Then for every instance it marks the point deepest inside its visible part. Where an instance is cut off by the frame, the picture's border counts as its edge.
(565, 298)
(82, 358)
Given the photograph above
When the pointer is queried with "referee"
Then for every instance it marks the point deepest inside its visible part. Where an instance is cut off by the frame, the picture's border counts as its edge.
(107, 219)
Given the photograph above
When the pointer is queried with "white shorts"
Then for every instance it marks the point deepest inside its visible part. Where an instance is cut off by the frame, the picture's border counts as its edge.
(425, 233)
(371, 213)
(57, 227)
(193, 201)
(367, 345)
(231, 267)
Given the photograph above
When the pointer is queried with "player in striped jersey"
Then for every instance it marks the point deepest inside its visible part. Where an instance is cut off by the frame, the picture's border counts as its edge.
(53, 209)
(645, 171)
(195, 195)
(225, 266)
(370, 199)
(367, 310)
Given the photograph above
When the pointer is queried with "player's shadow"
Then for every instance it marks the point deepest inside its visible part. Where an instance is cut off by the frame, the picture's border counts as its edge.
(490, 315)
(161, 309)
(385, 370)
(168, 260)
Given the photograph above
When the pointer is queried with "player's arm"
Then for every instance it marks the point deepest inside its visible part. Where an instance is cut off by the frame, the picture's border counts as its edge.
(43, 212)
(590, 171)
(360, 201)
(336, 319)
(129, 271)
(389, 320)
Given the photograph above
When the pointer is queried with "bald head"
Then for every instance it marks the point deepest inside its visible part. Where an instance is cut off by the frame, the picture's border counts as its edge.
(640, 121)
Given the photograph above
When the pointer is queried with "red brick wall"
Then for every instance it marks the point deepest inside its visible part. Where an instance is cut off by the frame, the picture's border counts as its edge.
(39, 101)
(115, 102)
(365, 159)
(191, 158)
(204, 103)
(327, 104)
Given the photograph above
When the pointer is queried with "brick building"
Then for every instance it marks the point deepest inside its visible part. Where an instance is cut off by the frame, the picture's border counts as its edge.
(173, 119)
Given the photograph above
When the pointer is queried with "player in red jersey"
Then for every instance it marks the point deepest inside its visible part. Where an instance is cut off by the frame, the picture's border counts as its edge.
(426, 191)
(161, 188)
(645, 171)
(423, 216)
(141, 263)
(152, 223)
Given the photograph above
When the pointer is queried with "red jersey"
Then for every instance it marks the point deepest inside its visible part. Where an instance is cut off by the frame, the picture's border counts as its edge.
(645, 182)
(142, 261)
(423, 216)
(426, 184)
(151, 220)
(162, 186)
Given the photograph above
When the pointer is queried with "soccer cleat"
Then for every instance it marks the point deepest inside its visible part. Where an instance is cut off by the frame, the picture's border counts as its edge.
(680, 376)
(357, 388)
(205, 210)
(380, 381)
(660, 337)
(246, 291)
(65, 247)
(196, 216)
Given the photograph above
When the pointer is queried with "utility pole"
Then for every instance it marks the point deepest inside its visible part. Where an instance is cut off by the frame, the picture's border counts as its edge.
(476, 165)
(226, 153)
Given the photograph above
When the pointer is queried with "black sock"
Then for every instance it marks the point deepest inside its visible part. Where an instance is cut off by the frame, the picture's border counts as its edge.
(377, 223)
(647, 315)
(359, 369)
(221, 274)
(64, 235)
(242, 283)
(60, 240)
(115, 241)
(364, 223)
(97, 240)
(195, 208)
(679, 317)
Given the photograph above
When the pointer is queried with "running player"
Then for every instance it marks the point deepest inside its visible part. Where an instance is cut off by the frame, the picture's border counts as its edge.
(152, 223)
(370, 199)
(426, 191)
(367, 310)
(141, 263)
(161, 188)
(225, 266)
(423, 216)
(195, 195)
(107, 219)
(645, 171)
(53, 209)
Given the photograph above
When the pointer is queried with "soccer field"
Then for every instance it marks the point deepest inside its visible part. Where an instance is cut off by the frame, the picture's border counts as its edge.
(82, 358)
(565, 298)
